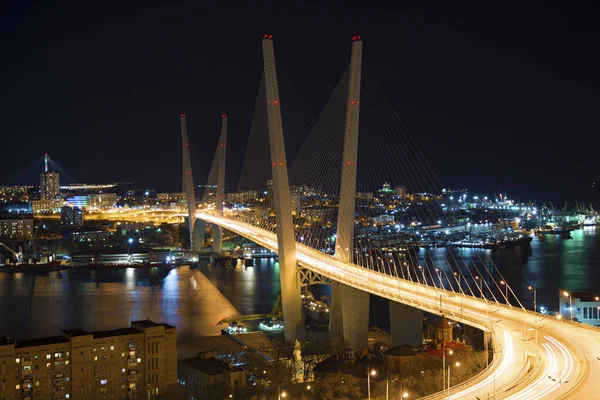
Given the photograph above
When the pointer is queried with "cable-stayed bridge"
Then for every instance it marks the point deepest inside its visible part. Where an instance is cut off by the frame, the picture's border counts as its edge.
(326, 224)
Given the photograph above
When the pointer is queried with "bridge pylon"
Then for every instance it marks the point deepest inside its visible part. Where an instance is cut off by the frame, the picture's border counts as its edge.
(349, 319)
(220, 198)
(196, 229)
(286, 244)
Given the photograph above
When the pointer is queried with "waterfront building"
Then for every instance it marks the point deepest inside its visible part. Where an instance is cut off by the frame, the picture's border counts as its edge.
(171, 197)
(16, 207)
(46, 206)
(71, 216)
(368, 196)
(135, 362)
(242, 197)
(16, 227)
(79, 200)
(585, 307)
(101, 201)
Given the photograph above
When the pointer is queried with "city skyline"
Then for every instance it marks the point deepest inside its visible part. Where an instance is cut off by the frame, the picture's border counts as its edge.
(122, 92)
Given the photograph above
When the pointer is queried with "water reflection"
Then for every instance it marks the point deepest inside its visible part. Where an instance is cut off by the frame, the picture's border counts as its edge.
(194, 299)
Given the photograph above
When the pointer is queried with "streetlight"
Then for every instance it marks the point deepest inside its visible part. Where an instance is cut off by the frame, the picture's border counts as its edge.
(405, 395)
(535, 297)
(568, 294)
(456, 364)
(505, 291)
(456, 274)
(480, 286)
(387, 386)
(369, 374)
(450, 352)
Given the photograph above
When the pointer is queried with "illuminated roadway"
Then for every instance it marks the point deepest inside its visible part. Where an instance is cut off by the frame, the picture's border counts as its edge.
(522, 369)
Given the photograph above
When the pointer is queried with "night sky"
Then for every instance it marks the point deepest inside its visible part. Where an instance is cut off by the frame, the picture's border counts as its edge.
(498, 97)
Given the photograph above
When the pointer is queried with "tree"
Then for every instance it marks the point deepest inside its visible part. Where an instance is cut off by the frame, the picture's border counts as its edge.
(338, 386)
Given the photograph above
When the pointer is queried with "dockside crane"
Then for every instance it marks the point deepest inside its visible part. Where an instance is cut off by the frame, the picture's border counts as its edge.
(14, 253)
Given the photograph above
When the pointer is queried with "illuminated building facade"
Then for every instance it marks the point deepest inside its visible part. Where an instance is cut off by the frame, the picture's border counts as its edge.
(16, 228)
(46, 206)
(101, 201)
(71, 216)
(127, 363)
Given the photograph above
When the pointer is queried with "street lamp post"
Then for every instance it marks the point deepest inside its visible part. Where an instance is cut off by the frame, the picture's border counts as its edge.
(568, 294)
(450, 352)
(505, 290)
(477, 280)
(369, 373)
(534, 297)
(456, 274)
(457, 364)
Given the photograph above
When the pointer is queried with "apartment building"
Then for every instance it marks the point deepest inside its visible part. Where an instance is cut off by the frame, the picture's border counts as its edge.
(139, 362)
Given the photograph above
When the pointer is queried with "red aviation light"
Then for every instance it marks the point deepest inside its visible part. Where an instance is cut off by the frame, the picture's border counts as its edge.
(275, 101)
(267, 36)
(224, 115)
(182, 115)
(356, 38)
(274, 164)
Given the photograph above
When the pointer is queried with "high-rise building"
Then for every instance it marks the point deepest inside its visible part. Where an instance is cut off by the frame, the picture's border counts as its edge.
(71, 216)
(127, 363)
(49, 183)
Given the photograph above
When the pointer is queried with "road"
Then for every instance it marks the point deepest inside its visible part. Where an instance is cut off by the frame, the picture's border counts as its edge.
(537, 356)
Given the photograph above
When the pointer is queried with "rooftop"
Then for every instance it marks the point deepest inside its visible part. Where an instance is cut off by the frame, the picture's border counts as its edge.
(146, 323)
(400, 351)
(75, 332)
(209, 366)
(115, 332)
(42, 341)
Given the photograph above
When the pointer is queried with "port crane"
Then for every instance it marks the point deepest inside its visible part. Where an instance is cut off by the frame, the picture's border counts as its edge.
(14, 253)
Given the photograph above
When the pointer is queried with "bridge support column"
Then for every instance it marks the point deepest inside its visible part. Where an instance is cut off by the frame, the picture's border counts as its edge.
(349, 317)
(406, 324)
(220, 198)
(188, 186)
(199, 235)
(475, 337)
(291, 301)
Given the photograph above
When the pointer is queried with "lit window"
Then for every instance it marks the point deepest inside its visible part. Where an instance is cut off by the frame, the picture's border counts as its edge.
(103, 381)
(48, 356)
(67, 395)
(17, 360)
(37, 383)
(112, 347)
(67, 362)
(122, 354)
(47, 365)
(17, 386)
(95, 358)
(123, 370)
(27, 368)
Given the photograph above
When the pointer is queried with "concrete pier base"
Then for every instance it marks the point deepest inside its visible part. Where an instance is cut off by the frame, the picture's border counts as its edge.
(349, 317)
(406, 325)
(475, 337)
(199, 235)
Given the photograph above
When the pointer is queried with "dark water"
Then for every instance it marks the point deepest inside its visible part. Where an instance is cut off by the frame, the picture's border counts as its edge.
(34, 305)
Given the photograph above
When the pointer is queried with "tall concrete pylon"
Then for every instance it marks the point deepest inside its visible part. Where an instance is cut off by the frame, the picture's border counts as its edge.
(349, 318)
(286, 245)
(221, 154)
(196, 229)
